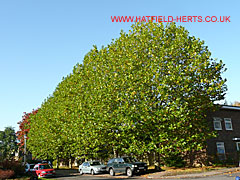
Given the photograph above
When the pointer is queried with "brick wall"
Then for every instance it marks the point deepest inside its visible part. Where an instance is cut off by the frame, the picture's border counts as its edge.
(224, 135)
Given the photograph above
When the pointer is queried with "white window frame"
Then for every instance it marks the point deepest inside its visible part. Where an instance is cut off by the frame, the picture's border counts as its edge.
(237, 144)
(228, 120)
(215, 120)
(220, 144)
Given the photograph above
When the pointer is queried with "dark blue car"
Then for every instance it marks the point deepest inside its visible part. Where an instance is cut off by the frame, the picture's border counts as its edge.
(127, 165)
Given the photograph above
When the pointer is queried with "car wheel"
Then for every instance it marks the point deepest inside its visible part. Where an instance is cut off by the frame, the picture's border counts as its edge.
(111, 172)
(81, 172)
(92, 172)
(34, 178)
(129, 172)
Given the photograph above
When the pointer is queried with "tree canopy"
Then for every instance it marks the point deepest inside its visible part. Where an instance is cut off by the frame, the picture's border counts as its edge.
(147, 91)
(8, 143)
(24, 127)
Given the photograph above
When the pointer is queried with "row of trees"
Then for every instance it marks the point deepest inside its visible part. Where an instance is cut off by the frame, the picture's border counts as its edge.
(147, 92)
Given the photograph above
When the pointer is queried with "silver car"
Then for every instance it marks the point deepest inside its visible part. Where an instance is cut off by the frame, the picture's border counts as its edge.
(92, 167)
(29, 167)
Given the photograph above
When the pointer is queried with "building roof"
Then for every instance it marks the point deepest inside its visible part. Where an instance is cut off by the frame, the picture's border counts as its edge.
(231, 107)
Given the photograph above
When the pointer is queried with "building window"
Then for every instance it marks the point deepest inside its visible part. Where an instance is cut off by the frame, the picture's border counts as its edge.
(228, 123)
(220, 148)
(217, 123)
(238, 146)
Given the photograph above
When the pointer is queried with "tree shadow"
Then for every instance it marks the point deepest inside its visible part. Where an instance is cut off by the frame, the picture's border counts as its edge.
(66, 173)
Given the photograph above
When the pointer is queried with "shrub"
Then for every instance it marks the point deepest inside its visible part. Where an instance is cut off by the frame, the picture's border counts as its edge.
(14, 166)
(174, 160)
(6, 174)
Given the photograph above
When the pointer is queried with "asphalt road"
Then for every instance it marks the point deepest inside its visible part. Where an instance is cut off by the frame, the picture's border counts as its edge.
(73, 174)
(98, 176)
(92, 177)
(226, 176)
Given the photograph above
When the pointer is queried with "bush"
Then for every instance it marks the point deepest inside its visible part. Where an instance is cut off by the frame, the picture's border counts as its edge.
(6, 174)
(14, 166)
(174, 160)
(224, 160)
(54, 163)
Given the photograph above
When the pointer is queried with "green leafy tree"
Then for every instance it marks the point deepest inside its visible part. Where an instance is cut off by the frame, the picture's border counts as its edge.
(56, 126)
(24, 127)
(155, 84)
(148, 91)
(8, 143)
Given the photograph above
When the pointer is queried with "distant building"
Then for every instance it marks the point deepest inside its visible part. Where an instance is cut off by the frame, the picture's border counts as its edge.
(226, 146)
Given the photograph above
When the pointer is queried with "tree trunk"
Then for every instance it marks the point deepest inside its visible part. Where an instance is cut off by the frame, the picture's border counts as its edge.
(191, 158)
(57, 162)
(150, 158)
(157, 155)
(115, 153)
(70, 162)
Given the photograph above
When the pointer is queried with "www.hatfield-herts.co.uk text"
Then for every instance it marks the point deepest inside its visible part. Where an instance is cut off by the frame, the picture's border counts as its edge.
(170, 19)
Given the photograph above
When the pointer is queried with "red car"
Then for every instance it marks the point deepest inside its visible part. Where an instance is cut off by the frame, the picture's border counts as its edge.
(44, 170)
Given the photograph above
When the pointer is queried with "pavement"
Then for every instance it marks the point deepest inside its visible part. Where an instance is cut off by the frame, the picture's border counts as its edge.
(165, 175)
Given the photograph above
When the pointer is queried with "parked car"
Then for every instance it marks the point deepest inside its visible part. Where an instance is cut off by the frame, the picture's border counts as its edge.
(126, 165)
(29, 167)
(44, 170)
(92, 167)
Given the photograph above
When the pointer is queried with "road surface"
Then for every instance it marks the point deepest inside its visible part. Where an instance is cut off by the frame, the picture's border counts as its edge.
(224, 176)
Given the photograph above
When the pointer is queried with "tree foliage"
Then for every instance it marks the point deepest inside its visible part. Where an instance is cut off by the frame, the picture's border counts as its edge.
(236, 103)
(24, 127)
(8, 143)
(148, 91)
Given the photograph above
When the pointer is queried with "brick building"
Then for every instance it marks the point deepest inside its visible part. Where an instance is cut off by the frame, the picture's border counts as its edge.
(226, 145)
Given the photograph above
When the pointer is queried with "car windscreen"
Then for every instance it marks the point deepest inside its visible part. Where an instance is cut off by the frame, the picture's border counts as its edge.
(129, 160)
(111, 161)
(45, 166)
(95, 163)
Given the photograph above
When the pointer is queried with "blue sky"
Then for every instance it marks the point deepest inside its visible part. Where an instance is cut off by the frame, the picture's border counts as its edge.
(41, 41)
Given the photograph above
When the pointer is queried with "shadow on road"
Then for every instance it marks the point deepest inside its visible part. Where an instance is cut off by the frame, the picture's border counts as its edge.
(61, 173)
(66, 172)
